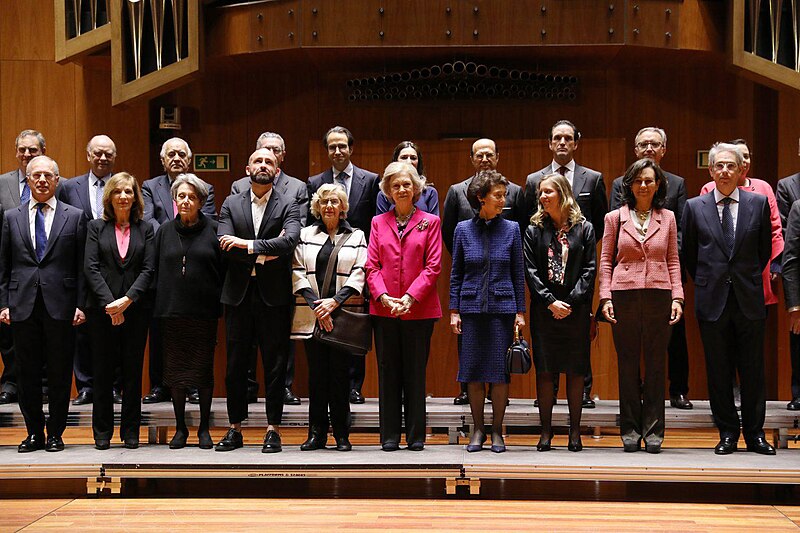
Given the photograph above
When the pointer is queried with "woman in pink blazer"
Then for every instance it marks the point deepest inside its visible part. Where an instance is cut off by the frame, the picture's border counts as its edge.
(403, 263)
(642, 297)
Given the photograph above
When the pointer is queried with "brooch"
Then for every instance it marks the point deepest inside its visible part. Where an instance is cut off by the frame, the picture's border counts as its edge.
(423, 225)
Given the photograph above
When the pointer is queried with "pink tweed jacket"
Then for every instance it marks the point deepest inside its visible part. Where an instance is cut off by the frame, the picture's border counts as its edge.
(649, 264)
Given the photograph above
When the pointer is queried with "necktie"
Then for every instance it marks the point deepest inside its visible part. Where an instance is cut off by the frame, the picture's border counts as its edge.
(727, 224)
(563, 170)
(341, 180)
(25, 197)
(41, 234)
(98, 204)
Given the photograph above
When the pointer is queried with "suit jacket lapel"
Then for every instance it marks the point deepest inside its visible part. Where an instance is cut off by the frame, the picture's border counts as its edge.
(25, 232)
(272, 203)
(356, 187)
(83, 194)
(743, 221)
(578, 180)
(13, 186)
(711, 216)
(247, 213)
(59, 219)
(654, 225)
(166, 199)
(626, 222)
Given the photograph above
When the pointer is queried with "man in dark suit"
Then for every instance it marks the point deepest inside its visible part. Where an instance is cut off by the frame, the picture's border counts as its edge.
(727, 243)
(651, 143)
(176, 156)
(292, 188)
(86, 193)
(787, 194)
(41, 289)
(362, 195)
(258, 229)
(588, 189)
(484, 155)
(13, 185)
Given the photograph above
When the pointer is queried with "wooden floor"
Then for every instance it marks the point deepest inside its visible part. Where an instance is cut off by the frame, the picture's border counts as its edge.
(382, 515)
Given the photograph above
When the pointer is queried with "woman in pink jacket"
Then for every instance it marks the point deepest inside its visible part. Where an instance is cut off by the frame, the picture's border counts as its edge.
(404, 258)
(641, 296)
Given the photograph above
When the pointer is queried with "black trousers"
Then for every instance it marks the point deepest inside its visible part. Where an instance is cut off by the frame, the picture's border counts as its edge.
(252, 379)
(402, 350)
(328, 386)
(8, 380)
(735, 343)
(155, 355)
(83, 361)
(678, 360)
(794, 353)
(254, 321)
(642, 330)
(115, 347)
(43, 342)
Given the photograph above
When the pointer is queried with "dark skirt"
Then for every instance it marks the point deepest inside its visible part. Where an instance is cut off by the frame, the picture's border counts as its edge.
(485, 338)
(189, 345)
(561, 346)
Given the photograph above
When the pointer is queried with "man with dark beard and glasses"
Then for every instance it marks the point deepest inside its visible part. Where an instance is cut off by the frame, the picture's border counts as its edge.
(258, 231)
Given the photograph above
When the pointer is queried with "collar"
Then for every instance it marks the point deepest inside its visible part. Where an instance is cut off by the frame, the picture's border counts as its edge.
(94, 179)
(263, 200)
(52, 202)
(344, 226)
(22, 177)
(478, 221)
(554, 166)
(718, 196)
(348, 170)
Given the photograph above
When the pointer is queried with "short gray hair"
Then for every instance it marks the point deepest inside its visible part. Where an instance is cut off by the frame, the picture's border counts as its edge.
(398, 167)
(196, 183)
(36, 160)
(163, 151)
(718, 148)
(652, 129)
(270, 135)
(30, 133)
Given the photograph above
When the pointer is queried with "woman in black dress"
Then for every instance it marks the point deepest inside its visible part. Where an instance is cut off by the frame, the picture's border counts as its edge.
(189, 277)
(119, 263)
(560, 269)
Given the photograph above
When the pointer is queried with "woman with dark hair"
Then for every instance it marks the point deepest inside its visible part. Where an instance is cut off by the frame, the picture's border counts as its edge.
(560, 269)
(487, 301)
(642, 297)
(189, 278)
(119, 262)
(428, 201)
(404, 258)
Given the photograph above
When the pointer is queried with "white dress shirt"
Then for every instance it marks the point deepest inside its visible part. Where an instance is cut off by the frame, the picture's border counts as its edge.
(49, 214)
(554, 166)
(734, 207)
(258, 207)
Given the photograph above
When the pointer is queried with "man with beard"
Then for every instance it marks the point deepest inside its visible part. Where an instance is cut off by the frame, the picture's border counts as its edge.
(258, 230)
(159, 208)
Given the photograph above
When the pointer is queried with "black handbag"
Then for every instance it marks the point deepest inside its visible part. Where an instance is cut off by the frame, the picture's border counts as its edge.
(518, 355)
(598, 314)
(352, 330)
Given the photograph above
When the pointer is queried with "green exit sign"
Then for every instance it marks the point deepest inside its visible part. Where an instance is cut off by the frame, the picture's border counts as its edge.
(212, 162)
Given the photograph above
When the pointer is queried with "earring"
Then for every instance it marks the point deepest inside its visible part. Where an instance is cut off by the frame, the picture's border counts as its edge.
(483, 203)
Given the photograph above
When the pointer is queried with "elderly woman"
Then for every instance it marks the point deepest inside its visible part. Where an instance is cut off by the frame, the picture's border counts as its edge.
(409, 152)
(487, 301)
(641, 296)
(328, 367)
(403, 263)
(119, 263)
(560, 269)
(189, 275)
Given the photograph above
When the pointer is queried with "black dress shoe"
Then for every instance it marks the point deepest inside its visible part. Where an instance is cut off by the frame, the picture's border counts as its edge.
(178, 440)
(632, 446)
(461, 399)
(193, 397)
(314, 442)
(8, 397)
(231, 441)
(356, 396)
(289, 398)
(204, 440)
(390, 446)
(587, 402)
(544, 443)
(272, 442)
(726, 446)
(156, 395)
(117, 397)
(83, 398)
(416, 446)
(343, 444)
(102, 444)
(794, 405)
(31, 444)
(131, 443)
(652, 448)
(760, 445)
(680, 402)
(54, 444)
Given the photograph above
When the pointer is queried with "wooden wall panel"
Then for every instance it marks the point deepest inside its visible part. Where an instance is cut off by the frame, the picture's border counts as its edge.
(324, 25)
(27, 30)
(403, 25)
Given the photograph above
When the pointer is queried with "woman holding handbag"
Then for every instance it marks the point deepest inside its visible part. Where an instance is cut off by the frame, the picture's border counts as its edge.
(560, 268)
(328, 272)
(641, 296)
(403, 264)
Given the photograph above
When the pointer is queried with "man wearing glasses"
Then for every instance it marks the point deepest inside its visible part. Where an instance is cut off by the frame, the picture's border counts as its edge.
(651, 143)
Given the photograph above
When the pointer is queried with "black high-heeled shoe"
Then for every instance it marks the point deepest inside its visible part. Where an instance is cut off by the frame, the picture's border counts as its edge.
(178, 440)
(575, 445)
(544, 445)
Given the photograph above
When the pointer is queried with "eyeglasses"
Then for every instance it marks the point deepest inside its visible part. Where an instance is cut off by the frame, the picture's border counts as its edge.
(730, 167)
(333, 202)
(29, 149)
(100, 153)
(644, 144)
(643, 183)
(485, 155)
